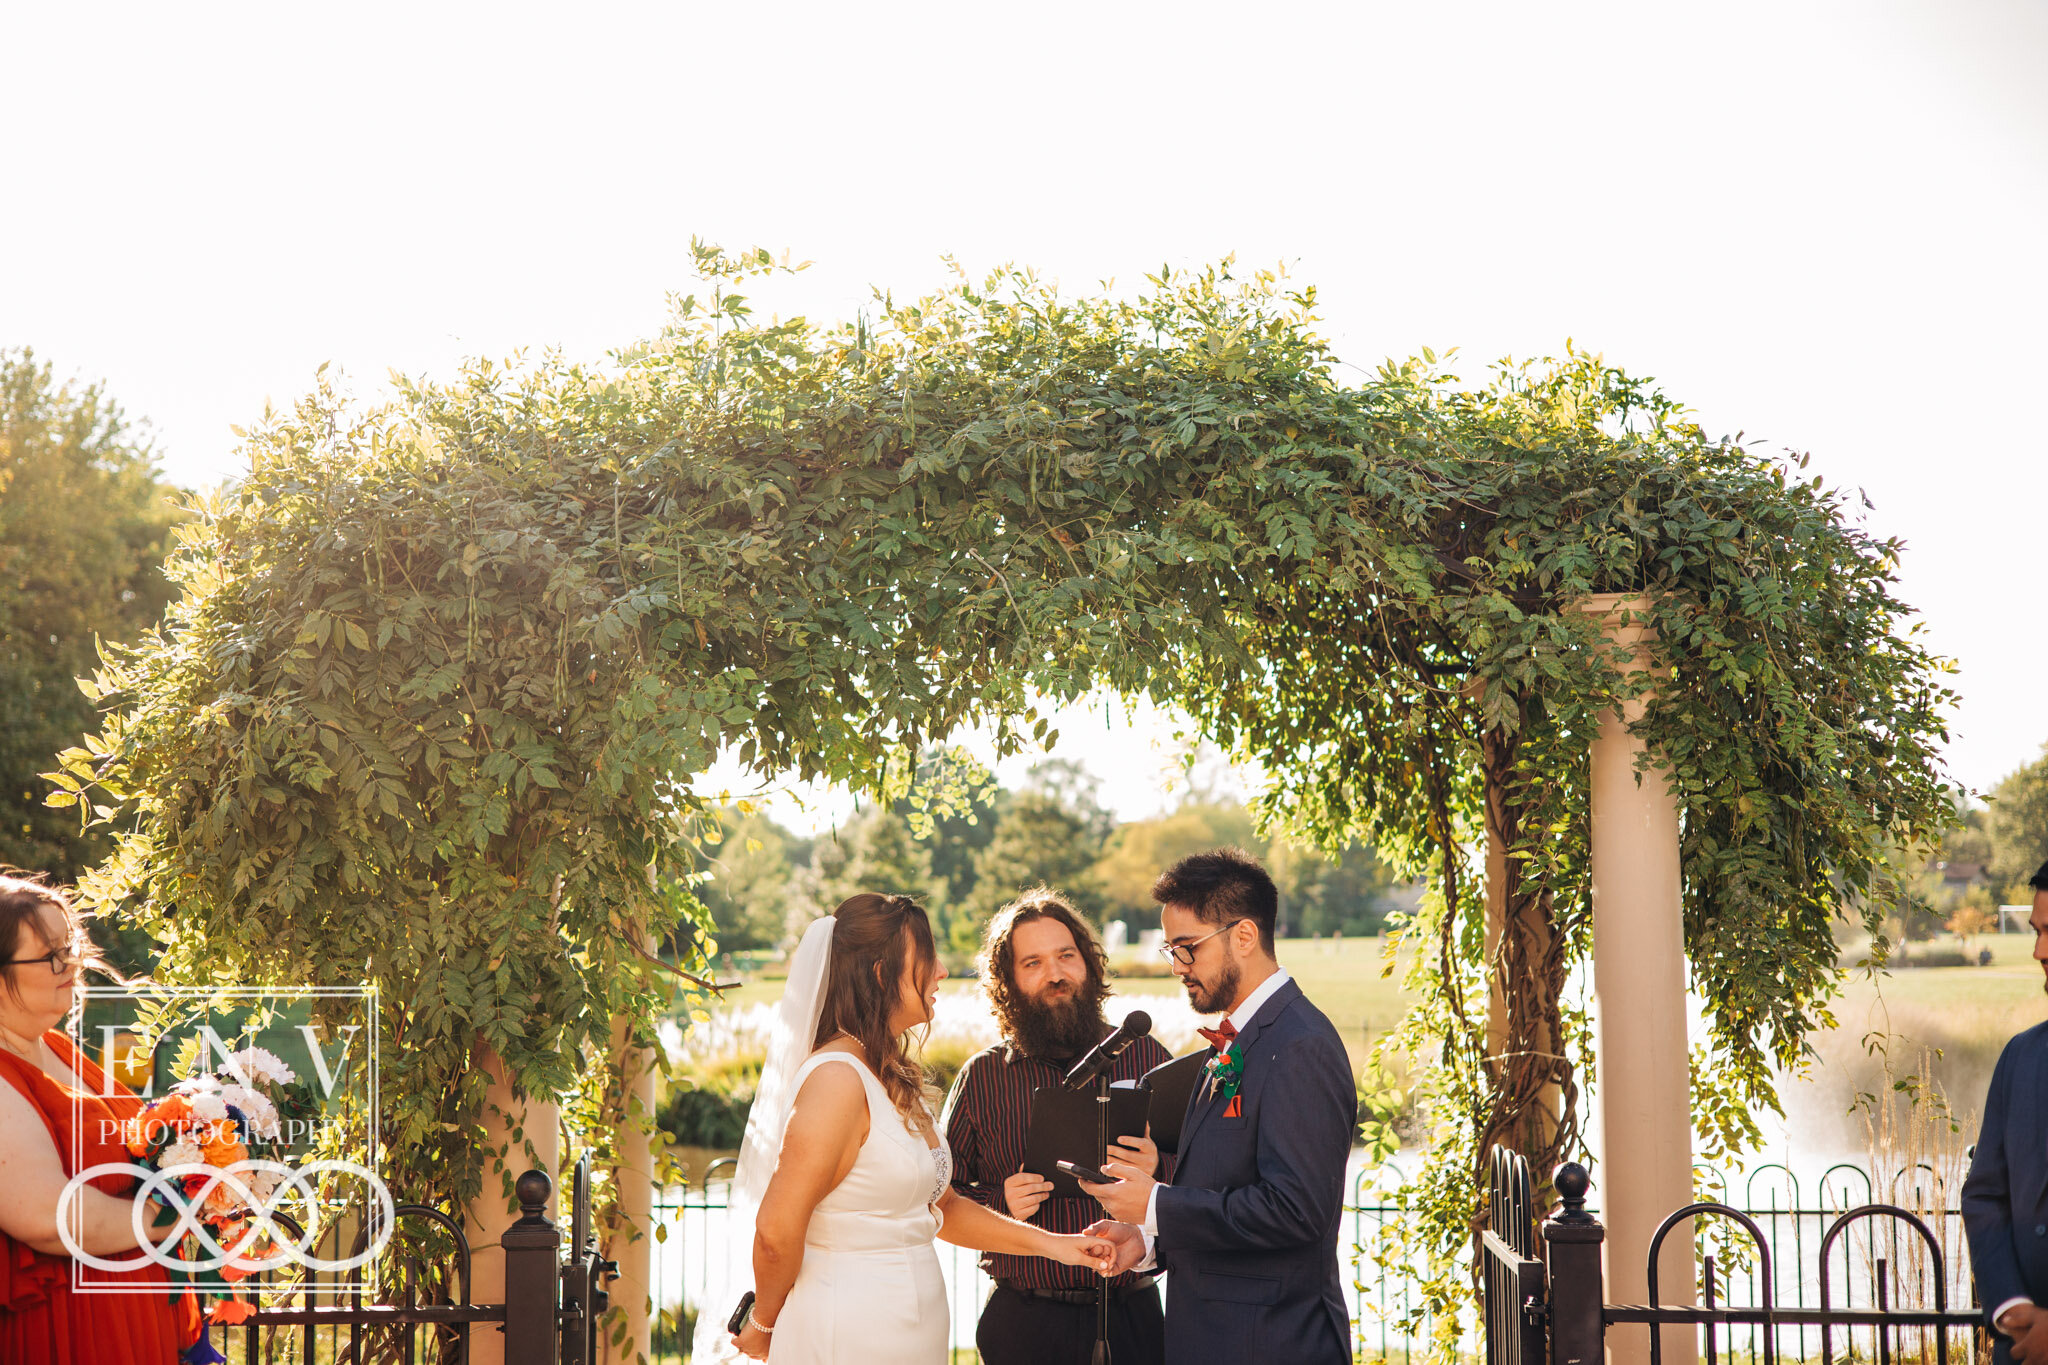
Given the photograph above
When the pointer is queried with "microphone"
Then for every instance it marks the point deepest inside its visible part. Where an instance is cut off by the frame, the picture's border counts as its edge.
(1136, 1025)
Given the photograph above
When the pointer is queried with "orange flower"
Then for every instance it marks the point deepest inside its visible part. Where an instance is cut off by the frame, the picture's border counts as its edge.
(230, 1310)
(222, 1150)
(169, 1109)
(134, 1136)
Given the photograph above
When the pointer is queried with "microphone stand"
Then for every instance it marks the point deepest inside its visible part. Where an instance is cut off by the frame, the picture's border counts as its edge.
(1101, 1353)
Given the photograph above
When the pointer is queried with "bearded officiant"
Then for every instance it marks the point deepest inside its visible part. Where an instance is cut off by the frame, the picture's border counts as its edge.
(1045, 976)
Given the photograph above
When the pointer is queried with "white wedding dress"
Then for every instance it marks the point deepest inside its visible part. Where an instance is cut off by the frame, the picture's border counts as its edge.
(869, 1291)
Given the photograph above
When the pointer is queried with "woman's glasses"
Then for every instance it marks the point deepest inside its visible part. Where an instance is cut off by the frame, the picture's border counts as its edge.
(1184, 953)
(60, 961)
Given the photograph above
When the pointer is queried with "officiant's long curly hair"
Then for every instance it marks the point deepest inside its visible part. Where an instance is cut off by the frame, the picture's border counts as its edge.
(876, 935)
(997, 962)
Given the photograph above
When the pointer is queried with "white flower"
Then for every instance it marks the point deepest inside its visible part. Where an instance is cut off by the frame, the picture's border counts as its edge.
(223, 1198)
(181, 1154)
(261, 1064)
(263, 1184)
(208, 1106)
(259, 1111)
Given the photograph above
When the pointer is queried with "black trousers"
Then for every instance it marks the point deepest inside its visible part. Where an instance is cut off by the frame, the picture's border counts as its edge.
(1015, 1330)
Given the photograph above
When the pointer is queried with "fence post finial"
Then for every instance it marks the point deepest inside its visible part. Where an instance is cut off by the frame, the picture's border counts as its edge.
(1572, 1237)
(533, 1276)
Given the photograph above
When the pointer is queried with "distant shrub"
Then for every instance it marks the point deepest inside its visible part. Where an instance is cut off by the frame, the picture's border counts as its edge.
(1935, 957)
(715, 1067)
(691, 1117)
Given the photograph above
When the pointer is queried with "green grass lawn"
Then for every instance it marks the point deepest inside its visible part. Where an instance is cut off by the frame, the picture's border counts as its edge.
(1341, 976)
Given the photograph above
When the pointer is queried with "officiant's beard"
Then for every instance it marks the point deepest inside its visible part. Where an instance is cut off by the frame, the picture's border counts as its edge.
(1058, 1026)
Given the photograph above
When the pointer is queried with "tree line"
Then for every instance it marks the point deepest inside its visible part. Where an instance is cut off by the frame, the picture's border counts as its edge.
(761, 881)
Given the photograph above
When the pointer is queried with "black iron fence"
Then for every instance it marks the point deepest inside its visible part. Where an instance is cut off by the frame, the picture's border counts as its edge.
(693, 1265)
(554, 1295)
(1885, 1286)
(694, 1268)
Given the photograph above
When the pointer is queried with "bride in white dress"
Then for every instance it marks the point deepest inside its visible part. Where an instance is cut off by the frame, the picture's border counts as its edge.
(843, 1175)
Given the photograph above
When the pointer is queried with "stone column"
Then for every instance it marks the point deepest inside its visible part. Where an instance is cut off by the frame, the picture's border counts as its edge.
(1644, 1092)
(632, 1241)
(529, 1132)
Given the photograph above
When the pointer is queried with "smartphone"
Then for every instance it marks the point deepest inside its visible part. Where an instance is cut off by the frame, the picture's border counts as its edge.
(739, 1314)
(1087, 1173)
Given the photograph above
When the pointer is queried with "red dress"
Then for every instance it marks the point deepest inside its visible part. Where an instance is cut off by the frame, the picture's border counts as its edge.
(42, 1321)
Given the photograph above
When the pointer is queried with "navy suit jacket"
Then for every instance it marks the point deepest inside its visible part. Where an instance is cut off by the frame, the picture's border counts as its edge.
(1248, 1228)
(2004, 1212)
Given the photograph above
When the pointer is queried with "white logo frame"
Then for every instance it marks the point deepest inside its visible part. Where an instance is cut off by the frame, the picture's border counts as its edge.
(326, 1278)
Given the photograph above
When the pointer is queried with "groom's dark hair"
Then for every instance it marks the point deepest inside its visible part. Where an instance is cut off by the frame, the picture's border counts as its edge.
(2040, 881)
(1222, 885)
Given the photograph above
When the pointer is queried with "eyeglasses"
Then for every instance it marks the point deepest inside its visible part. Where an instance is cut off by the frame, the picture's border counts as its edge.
(1184, 953)
(60, 961)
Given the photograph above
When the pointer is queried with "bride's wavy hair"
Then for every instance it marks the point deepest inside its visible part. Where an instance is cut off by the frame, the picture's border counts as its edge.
(872, 942)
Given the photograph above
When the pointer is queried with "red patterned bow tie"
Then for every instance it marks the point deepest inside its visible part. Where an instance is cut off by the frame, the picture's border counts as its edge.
(1219, 1038)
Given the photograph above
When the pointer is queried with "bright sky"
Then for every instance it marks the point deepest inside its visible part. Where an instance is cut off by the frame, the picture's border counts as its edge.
(1820, 224)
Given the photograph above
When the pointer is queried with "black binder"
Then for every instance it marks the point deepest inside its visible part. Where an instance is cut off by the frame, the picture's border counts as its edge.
(1172, 1085)
(1063, 1129)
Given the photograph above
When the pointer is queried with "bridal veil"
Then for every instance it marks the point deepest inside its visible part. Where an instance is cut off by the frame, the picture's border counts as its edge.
(789, 1044)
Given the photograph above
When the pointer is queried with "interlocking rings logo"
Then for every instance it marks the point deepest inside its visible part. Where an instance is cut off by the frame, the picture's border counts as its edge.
(288, 1247)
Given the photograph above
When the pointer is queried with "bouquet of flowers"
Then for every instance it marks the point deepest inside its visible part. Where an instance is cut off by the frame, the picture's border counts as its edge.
(230, 1122)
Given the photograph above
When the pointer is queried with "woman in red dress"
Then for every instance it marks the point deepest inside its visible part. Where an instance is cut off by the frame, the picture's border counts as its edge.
(47, 1087)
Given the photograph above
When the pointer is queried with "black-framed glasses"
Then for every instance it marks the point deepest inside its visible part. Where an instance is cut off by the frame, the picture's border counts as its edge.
(60, 961)
(1184, 953)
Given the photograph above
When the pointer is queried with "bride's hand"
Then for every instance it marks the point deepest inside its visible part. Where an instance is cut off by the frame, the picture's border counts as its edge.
(1090, 1253)
(752, 1342)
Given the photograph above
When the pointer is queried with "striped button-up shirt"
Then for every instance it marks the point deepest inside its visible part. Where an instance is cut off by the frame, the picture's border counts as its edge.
(988, 1115)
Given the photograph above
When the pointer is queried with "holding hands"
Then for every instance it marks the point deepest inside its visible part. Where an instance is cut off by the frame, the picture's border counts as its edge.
(1129, 1242)
(2027, 1325)
(1089, 1250)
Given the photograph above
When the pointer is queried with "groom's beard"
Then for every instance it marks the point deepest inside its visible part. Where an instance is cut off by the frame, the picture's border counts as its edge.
(1058, 1025)
(1219, 997)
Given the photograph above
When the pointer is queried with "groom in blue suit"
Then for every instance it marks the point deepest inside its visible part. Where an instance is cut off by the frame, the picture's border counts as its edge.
(2005, 1198)
(1247, 1231)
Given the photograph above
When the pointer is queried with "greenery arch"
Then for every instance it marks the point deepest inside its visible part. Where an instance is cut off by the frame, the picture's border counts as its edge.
(454, 660)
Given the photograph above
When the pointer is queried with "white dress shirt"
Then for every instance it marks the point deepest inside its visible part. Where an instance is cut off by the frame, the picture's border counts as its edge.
(1239, 1018)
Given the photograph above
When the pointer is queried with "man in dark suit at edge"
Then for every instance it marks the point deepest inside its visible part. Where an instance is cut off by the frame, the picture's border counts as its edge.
(2005, 1212)
(1247, 1231)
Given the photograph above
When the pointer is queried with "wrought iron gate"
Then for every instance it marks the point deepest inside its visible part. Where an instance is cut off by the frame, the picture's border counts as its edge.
(1543, 1290)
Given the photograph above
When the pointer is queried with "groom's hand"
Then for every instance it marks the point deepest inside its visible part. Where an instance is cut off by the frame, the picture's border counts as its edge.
(1130, 1243)
(1126, 1200)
